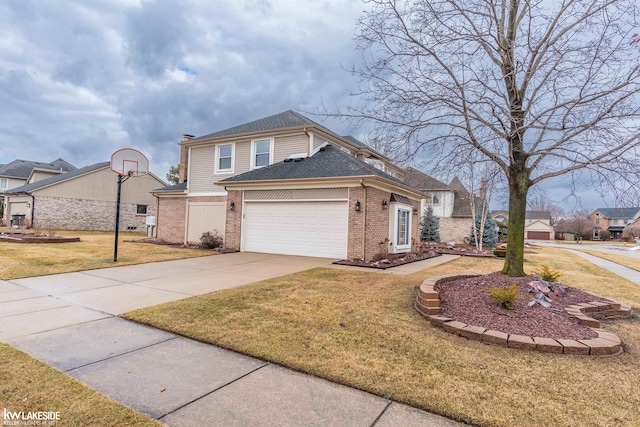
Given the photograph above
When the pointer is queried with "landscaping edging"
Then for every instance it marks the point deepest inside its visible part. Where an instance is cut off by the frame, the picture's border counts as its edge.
(607, 343)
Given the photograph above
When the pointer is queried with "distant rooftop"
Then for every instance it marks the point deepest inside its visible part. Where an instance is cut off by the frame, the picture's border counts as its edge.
(22, 168)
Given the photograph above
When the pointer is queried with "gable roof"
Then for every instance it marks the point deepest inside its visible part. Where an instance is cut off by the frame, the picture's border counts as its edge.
(284, 120)
(328, 162)
(461, 199)
(22, 168)
(537, 215)
(57, 178)
(424, 182)
(355, 141)
(618, 213)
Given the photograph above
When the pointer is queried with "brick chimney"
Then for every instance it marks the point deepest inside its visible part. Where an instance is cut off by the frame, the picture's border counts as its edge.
(184, 159)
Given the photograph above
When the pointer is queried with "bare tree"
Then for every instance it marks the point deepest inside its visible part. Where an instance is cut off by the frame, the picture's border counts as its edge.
(577, 223)
(539, 88)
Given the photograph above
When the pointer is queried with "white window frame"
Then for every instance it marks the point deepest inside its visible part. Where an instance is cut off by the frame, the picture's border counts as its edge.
(253, 152)
(5, 181)
(437, 195)
(394, 222)
(217, 169)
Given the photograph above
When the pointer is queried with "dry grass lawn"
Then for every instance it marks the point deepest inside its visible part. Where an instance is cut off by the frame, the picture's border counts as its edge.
(360, 329)
(95, 250)
(28, 385)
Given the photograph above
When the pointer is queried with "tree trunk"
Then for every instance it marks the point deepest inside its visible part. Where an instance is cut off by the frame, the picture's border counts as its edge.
(514, 259)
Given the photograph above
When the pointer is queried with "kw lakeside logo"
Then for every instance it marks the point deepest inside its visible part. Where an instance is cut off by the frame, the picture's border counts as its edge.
(31, 418)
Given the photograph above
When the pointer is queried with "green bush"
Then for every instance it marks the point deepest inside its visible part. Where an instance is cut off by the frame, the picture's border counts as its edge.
(504, 297)
(548, 274)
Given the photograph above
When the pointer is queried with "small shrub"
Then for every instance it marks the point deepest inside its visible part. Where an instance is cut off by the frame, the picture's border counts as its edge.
(211, 240)
(504, 297)
(548, 274)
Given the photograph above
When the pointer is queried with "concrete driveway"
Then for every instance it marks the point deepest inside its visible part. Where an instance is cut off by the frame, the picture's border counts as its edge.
(67, 321)
(43, 303)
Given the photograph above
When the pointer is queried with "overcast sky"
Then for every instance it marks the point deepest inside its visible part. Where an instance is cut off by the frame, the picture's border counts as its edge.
(79, 80)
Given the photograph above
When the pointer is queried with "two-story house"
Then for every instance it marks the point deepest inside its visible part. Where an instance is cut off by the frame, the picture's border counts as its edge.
(451, 203)
(20, 172)
(613, 220)
(285, 184)
(537, 224)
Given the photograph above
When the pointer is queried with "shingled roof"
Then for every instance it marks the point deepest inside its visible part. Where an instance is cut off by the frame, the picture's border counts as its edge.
(461, 200)
(329, 162)
(287, 119)
(57, 178)
(22, 168)
(422, 181)
(618, 213)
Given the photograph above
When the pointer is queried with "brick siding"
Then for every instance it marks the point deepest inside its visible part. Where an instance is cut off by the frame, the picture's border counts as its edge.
(234, 221)
(76, 214)
(171, 220)
(455, 229)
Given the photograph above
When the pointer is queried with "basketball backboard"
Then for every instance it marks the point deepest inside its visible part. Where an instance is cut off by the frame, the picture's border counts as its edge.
(129, 162)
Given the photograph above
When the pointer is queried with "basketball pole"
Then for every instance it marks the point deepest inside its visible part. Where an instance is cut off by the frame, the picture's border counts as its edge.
(121, 179)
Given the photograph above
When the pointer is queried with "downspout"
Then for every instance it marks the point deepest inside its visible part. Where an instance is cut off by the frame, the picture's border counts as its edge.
(33, 208)
(364, 222)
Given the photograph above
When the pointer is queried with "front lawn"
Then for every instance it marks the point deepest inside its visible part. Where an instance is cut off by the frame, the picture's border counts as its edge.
(360, 329)
(27, 385)
(95, 250)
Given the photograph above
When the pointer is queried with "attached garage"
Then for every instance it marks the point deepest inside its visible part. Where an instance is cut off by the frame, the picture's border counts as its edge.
(305, 228)
(205, 216)
(538, 235)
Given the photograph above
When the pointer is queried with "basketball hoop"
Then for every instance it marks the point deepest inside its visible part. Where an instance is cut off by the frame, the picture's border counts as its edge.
(129, 162)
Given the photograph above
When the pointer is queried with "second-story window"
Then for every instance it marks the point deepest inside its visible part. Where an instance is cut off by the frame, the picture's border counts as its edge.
(224, 158)
(262, 153)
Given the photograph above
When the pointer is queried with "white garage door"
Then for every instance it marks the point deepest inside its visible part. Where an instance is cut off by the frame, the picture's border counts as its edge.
(205, 216)
(317, 229)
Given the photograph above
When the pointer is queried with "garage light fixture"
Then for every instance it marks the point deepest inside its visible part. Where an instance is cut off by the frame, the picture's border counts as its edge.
(415, 211)
(358, 206)
(384, 205)
(232, 206)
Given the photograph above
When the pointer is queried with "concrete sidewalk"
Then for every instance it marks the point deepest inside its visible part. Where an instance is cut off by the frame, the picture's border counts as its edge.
(68, 321)
(620, 270)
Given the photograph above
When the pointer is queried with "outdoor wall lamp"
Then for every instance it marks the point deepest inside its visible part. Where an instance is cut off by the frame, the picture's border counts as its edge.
(384, 205)
(232, 206)
(358, 206)
(415, 211)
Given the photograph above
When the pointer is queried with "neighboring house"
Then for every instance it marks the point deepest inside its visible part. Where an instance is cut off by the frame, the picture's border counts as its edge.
(21, 172)
(613, 220)
(537, 225)
(83, 199)
(450, 202)
(287, 185)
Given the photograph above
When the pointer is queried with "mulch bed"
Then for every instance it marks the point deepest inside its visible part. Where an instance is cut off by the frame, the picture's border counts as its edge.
(385, 263)
(154, 241)
(468, 301)
(33, 238)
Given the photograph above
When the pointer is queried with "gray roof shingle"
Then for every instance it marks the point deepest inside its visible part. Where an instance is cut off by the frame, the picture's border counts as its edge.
(461, 199)
(175, 187)
(22, 168)
(287, 119)
(58, 178)
(618, 213)
(424, 182)
(538, 215)
(327, 163)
